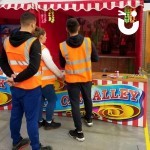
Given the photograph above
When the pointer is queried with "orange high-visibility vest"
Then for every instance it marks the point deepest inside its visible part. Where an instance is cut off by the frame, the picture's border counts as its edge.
(78, 62)
(18, 58)
(48, 77)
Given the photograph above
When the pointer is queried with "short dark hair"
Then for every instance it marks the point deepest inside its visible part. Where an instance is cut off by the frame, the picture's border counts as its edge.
(72, 25)
(38, 32)
(27, 18)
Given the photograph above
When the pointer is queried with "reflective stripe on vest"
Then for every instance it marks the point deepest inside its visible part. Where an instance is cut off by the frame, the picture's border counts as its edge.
(14, 62)
(68, 62)
(37, 74)
(48, 77)
(44, 68)
(26, 49)
(4, 44)
(77, 71)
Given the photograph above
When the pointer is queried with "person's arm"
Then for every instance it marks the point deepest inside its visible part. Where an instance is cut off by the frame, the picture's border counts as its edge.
(47, 58)
(62, 60)
(4, 64)
(94, 54)
(34, 63)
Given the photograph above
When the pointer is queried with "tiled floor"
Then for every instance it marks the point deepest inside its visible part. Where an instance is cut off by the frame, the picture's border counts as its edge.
(102, 136)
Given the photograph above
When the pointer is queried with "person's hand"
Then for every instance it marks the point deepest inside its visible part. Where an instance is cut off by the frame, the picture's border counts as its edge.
(13, 76)
(10, 81)
(62, 75)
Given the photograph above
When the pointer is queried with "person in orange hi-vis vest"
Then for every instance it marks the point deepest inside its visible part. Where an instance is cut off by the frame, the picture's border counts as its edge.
(20, 60)
(76, 54)
(49, 73)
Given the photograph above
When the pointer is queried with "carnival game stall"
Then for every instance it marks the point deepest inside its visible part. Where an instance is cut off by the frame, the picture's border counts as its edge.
(120, 100)
(117, 98)
(99, 21)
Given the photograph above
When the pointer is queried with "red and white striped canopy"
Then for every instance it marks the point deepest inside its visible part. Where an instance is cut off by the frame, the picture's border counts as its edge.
(76, 5)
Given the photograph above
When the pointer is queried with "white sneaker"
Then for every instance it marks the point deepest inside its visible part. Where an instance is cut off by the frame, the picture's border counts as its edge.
(88, 122)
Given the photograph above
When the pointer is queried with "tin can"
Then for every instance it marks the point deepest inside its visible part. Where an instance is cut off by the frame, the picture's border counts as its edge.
(117, 74)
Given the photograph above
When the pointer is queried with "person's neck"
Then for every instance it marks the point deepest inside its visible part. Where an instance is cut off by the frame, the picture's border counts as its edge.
(73, 34)
(41, 42)
(25, 29)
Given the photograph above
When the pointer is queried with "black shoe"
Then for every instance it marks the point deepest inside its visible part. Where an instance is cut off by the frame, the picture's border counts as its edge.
(88, 122)
(52, 125)
(45, 147)
(40, 124)
(78, 135)
(23, 143)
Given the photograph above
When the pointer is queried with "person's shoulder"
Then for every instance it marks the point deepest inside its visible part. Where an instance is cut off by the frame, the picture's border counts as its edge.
(35, 40)
(46, 52)
(35, 43)
(32, 39)
(88, 39)
(63, 42)
(43, 47)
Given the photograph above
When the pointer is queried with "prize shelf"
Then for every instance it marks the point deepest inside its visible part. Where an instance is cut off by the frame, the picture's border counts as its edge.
(111, 63)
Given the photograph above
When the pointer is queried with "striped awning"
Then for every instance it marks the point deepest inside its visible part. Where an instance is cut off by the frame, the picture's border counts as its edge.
(24, 6)
(75, 5)
(88, 5)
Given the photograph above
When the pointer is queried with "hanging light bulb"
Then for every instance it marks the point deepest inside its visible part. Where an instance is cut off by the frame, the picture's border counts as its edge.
(51, 17)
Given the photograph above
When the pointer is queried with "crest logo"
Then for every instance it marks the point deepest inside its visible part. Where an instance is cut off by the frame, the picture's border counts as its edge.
(129, 17)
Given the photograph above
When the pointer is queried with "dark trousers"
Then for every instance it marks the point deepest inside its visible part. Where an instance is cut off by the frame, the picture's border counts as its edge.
(28, 102)
(48, 92)
(74, 90)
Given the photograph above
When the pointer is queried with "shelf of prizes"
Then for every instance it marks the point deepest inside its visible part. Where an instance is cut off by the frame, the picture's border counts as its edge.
(117, 98)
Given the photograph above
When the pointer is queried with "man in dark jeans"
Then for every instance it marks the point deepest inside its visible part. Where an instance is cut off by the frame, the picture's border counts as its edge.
(20, 61)
(76, 55)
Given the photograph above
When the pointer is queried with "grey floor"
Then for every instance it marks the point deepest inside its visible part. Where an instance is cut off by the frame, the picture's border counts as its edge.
(102, 136)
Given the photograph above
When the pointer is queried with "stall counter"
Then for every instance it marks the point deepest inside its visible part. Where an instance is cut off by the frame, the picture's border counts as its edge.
(120, 100)
(117, 98)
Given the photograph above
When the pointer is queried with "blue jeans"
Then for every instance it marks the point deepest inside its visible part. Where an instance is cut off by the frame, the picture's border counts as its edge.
(48, 92)
(28, 102)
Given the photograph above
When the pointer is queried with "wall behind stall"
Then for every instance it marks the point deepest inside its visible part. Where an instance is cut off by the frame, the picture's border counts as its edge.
(147, 43)
(139, 39)
(56, 33)
(8, 17)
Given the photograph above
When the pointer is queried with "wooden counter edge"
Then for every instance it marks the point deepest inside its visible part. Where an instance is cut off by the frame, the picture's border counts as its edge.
(130, 77)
